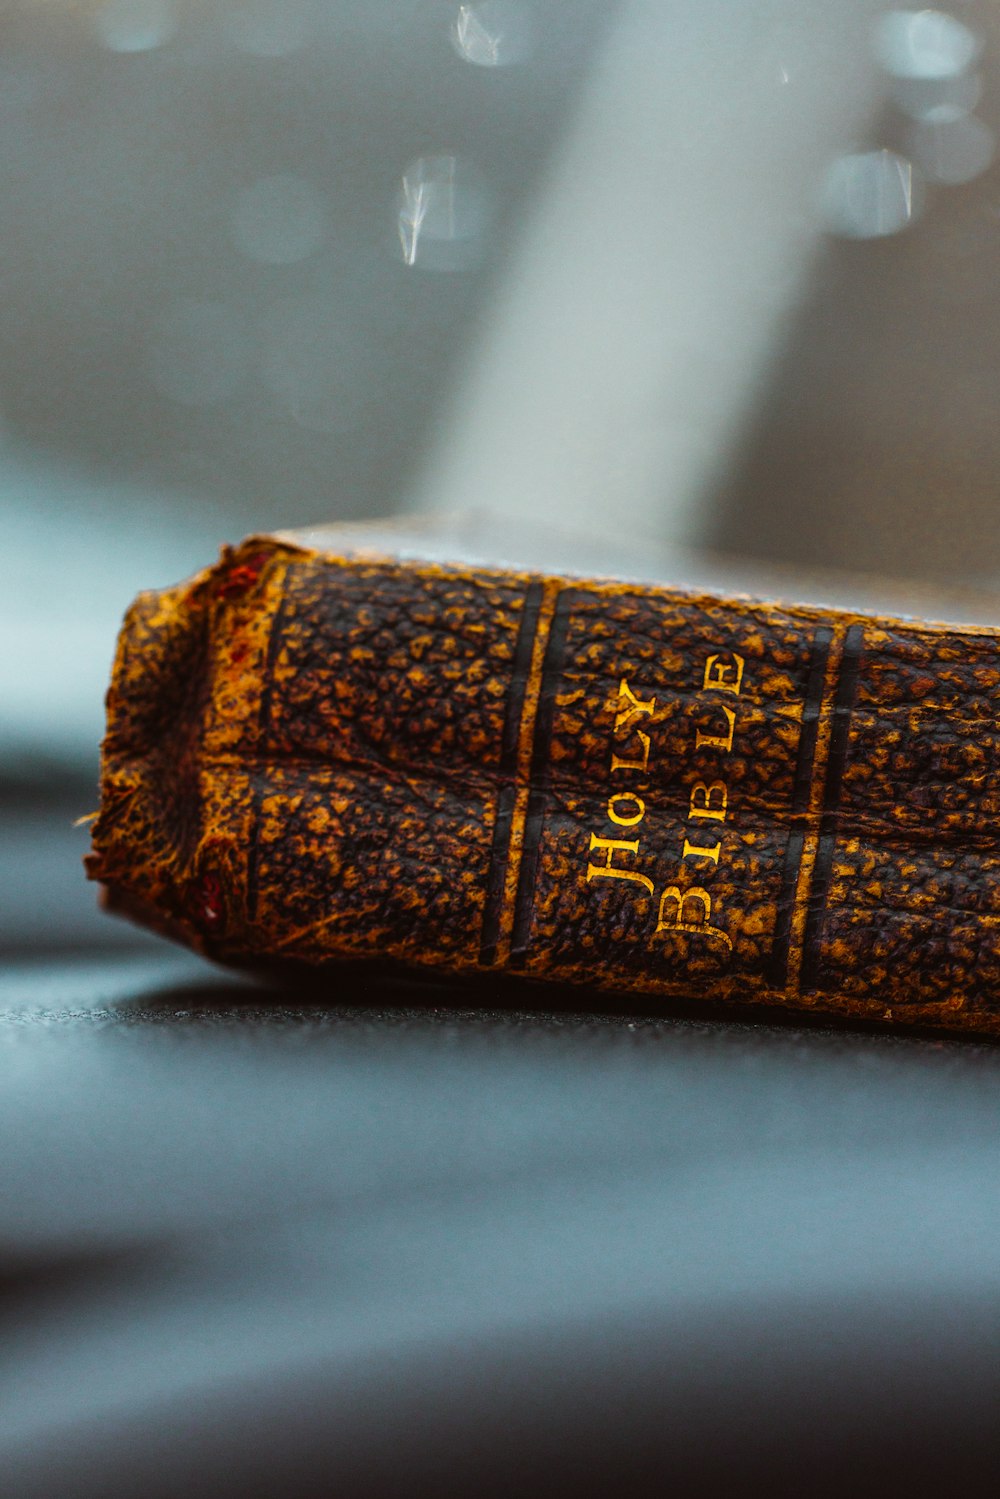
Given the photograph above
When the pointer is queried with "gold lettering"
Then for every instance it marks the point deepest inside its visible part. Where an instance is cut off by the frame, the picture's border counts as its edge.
(624, 716)
(722, 742)
(699, 851)
(608, 870)
(702, 797)
(626, 796)
(617, 763)
(717, 675)
(676, 922)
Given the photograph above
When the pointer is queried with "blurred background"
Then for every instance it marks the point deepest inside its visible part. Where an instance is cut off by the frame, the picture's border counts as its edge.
(712, 275)
(692, 281)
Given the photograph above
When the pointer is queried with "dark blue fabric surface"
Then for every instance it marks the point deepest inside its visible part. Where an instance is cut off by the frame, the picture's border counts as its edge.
(254, 1243)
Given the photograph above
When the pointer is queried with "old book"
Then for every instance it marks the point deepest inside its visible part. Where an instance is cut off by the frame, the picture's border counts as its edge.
(326, 747)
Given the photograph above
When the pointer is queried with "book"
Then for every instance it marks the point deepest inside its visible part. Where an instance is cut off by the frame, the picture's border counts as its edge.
(330, 748)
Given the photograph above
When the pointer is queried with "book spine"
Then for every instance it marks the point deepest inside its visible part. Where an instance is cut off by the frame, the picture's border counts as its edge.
(597, 783)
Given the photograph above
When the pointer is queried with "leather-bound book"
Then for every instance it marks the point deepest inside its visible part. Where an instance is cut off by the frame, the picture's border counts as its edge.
(329, 747)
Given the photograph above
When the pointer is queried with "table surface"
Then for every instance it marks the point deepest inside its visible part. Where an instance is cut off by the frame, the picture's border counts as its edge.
(391, 1238)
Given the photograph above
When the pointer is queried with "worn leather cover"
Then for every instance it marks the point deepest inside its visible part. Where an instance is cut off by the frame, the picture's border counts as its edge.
(319, 751)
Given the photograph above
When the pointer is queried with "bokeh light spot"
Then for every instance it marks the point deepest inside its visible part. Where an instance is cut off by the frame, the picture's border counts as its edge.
(918, 97)
(869, 195)
(924, 44)
(492, 34)
(951, 146)
(135, 25)
(441, 213)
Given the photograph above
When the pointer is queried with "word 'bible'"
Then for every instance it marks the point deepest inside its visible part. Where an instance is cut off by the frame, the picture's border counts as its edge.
(316, 754)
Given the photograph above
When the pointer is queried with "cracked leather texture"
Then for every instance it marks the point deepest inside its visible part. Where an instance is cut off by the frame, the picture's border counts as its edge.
(313, 757)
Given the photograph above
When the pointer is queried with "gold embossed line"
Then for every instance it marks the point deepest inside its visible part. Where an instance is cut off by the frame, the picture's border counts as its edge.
(810, 977)
(815, 812)
(522, 775)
